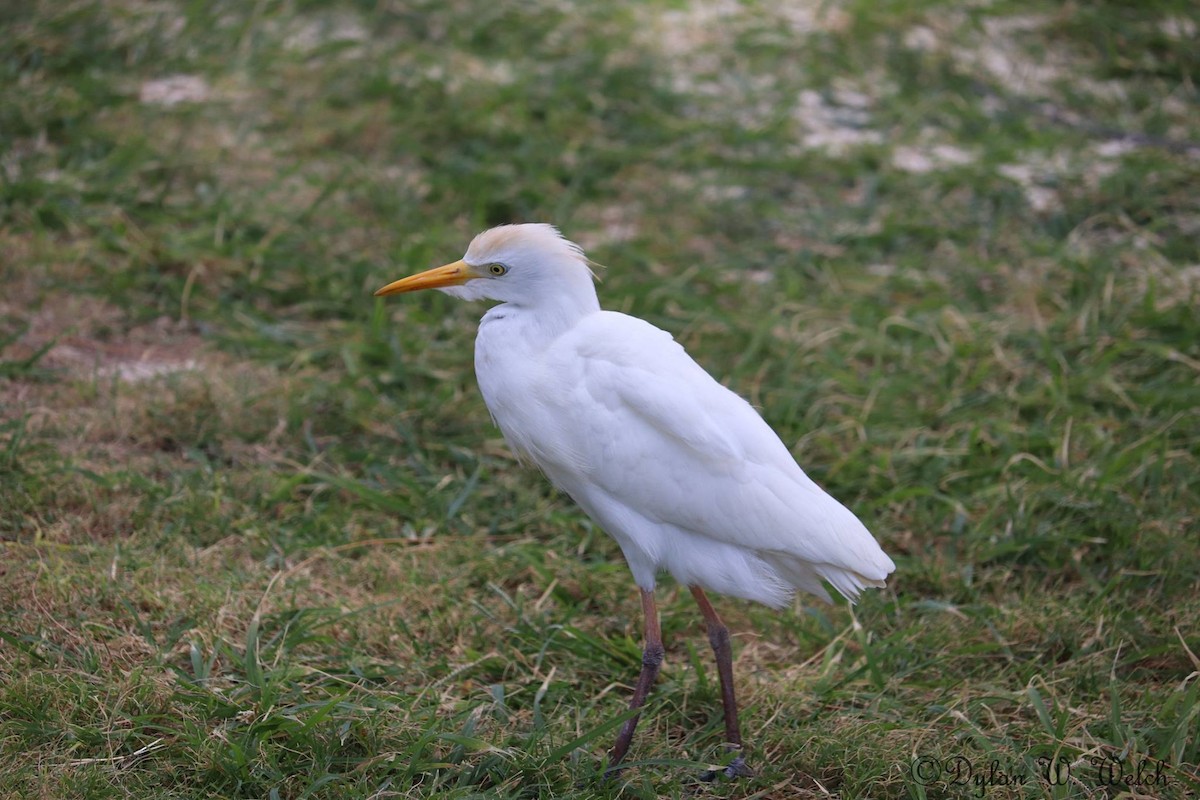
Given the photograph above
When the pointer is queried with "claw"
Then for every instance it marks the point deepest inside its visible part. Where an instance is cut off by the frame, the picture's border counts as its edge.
(612, 774)
(736, 769)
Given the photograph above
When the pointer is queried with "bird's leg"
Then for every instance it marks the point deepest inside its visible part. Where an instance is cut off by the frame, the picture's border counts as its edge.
(718, 637)
(652, 656)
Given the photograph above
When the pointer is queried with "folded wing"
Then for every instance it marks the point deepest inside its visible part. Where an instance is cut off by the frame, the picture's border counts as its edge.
(686, 475)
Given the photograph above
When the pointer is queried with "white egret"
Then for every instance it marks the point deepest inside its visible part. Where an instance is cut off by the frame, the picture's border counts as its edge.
(682, 472)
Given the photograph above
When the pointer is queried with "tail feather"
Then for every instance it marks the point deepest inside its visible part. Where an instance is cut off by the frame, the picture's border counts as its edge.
(808, 577)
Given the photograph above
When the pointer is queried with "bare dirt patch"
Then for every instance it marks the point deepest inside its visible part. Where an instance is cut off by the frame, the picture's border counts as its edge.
(108, 392)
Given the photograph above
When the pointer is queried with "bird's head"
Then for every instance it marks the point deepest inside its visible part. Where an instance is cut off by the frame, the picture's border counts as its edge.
(527, 265)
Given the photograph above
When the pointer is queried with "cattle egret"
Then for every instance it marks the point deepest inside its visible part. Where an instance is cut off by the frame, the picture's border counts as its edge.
(682, 472)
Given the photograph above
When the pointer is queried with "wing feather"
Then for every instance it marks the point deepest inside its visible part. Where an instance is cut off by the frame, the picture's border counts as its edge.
(647, 441)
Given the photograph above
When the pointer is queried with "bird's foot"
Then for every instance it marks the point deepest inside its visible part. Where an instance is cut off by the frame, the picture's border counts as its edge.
(612, 773)
(734, 769)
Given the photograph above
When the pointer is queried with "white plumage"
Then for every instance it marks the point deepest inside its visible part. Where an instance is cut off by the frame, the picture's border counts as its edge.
(683, 473)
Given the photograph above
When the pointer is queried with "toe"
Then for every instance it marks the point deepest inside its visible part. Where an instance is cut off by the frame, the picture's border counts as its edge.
(735, 769)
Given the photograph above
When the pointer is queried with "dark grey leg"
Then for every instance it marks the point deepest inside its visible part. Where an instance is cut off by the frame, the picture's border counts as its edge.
(652, 656)
(718, 637)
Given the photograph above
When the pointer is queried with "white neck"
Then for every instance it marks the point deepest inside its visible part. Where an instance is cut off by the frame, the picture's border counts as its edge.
(556, 313)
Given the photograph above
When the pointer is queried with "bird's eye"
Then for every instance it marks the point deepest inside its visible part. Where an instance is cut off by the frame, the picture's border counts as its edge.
(497, 269)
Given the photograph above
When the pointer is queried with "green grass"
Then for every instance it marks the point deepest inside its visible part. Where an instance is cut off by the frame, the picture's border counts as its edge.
(258, 536)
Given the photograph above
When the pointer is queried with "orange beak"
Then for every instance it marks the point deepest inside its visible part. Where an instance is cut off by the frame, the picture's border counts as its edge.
(454, 274)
